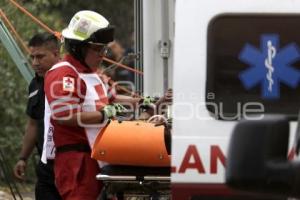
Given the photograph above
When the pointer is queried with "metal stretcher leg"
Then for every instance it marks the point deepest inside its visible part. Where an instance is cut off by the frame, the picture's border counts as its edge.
(120, 183)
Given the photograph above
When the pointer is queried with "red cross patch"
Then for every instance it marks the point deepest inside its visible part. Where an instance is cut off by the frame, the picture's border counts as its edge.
(68, 84)
(83, 26)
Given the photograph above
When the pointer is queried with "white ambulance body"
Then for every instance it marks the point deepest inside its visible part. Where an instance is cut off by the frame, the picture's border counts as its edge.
(213, 89)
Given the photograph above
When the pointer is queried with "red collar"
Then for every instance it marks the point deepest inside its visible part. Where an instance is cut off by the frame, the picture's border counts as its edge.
(80, 67)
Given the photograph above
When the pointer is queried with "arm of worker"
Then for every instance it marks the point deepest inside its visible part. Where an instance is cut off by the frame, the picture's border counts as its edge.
(29, 141)
(123, 99)
(166, 99)
(82, 119)
(117, 98)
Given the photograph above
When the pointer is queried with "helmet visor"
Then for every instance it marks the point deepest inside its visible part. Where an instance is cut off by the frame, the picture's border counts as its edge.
(102, 36)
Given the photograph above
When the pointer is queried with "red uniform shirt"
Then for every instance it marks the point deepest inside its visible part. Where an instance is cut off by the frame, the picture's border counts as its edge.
(65, 92)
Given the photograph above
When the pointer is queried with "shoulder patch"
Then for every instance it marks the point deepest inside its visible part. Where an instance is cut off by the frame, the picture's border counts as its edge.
(68, 84)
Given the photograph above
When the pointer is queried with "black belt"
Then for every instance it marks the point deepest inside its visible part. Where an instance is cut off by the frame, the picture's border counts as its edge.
(74, 147)
(50, 161)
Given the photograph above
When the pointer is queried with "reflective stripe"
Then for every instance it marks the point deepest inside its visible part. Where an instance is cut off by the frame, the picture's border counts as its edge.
(63, 100)
(65, 108)
(33, 94)
(62, 64)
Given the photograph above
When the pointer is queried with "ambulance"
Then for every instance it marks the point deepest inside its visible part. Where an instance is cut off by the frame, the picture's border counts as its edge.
(233, 61)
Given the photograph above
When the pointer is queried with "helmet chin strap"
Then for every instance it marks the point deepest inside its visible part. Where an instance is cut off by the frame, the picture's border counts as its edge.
(82, 57)
(77, 49)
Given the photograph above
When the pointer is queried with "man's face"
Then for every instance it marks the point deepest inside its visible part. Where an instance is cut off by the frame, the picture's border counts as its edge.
(43, 58)
(94, 54)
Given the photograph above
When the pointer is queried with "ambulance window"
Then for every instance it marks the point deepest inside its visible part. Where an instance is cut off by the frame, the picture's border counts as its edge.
(253, 65)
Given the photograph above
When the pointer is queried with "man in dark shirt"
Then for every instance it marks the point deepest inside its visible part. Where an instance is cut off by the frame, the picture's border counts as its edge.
(44, 53)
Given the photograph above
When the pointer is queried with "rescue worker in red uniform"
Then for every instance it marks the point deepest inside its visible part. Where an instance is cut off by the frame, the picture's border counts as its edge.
(77, 101)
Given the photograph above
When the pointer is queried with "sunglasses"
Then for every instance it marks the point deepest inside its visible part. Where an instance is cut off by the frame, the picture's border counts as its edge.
(101, 49)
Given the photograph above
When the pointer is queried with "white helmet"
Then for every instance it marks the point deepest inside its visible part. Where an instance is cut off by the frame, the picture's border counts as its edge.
(89, 26)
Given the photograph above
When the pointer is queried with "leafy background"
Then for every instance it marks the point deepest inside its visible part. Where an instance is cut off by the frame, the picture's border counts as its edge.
(13, 88)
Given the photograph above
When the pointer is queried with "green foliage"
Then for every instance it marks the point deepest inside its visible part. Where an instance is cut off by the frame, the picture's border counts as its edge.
(12, 118)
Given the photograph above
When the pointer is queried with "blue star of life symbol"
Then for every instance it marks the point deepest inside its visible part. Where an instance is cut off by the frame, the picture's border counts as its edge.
(270, 66)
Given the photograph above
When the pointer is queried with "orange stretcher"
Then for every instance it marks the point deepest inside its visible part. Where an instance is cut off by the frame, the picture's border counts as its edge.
(135, 143)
